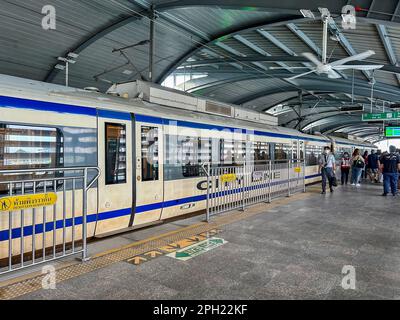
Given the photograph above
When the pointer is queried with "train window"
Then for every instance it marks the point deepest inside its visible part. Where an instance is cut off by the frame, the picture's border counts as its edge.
(149, 143)
(312, 154)
(184, 156)
(239, 154)
(29, 147)
(294, 150)
(261, 152)
(301, 150)
(115, 153)
(282, 151)
(226, 152)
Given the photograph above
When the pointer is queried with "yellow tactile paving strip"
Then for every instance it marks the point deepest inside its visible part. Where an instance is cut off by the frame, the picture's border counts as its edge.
(25, 285)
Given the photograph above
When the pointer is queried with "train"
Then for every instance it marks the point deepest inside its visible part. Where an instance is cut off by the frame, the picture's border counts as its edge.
(148, 142)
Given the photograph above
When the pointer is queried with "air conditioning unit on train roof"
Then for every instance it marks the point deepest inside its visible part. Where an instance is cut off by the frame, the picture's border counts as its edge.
(157, 94)
(154, 93)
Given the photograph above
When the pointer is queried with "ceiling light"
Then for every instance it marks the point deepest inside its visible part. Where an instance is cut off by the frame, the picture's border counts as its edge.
(127, 72)
(59, 66)
(307, 13)
(73, 55)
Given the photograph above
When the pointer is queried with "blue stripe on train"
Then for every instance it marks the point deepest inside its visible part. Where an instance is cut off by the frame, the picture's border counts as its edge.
(11, 102)
(28, 230)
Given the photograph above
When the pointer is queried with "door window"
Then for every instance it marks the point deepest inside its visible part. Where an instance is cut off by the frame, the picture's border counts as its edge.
(115, 153)
(149, 145)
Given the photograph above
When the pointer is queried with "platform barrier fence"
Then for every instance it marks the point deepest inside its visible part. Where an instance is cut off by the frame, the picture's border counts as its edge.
(239, 186)
(43, 215)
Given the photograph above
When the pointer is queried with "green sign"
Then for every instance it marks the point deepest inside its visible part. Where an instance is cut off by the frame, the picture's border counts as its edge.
(392, 132)
(381, 116)
(197, 249)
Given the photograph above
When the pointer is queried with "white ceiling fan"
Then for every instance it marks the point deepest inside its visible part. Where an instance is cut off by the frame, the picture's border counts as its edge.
(322, 67)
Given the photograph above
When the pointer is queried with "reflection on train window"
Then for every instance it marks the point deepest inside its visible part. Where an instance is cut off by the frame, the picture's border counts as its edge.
(294, 150)
(184, 156)
(149, 142)
(115, 153)
(261, 152)
(28, 147)
(312, 154)
(282, 151)
(301, 150)
(239, 155)
(226, 152)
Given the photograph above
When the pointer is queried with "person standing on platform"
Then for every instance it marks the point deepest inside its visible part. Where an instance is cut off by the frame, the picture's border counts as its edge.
(373, 167)
(327, 168)
(389, 164)
(345, 168)
(357, 166)
(365, 157)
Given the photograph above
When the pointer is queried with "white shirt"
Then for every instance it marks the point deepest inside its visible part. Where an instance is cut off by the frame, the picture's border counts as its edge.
(327, 160)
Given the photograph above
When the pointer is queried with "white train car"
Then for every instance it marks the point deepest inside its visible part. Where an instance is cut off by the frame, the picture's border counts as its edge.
(149, 155)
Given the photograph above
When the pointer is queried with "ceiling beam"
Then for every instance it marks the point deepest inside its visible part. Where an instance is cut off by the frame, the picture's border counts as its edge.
(272, 59)
(216, 38)
(259, 50)
(383, 12)
(279, 44)
(90, 39)
(345, 43)
(387, 43)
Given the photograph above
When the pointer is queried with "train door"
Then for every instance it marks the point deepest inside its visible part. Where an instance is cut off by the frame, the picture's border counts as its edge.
(149, 172)
(115, 182)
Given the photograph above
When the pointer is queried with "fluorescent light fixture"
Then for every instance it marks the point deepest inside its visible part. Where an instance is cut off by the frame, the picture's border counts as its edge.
(73, 55)
(307, 13)
(62, 59)
(324, 12)
(59, 66)
(127, 72)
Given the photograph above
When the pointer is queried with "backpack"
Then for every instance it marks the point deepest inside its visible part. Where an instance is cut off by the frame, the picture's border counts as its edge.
(358, 163)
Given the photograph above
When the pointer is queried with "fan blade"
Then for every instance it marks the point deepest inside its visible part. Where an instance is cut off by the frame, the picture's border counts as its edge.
(312, 58)
(290, 68)
(359, 67)
(360, 56)
(300, 75)
(332, 74)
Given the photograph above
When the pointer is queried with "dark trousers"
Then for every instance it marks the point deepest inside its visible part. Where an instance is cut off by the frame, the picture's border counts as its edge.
(345, 175)
(390, 182)
(327, 174)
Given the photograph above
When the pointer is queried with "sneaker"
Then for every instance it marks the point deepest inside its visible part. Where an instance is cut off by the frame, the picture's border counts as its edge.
(332, 190)
(358, 185)
(384, 194)
(323, 192)
(353, 184)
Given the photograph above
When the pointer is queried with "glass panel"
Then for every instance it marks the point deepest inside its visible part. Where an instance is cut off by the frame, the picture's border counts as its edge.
(294, 150)
(149, 138)
(115, 153)
(282, 151)
(301, 150)
(239, 154)
(184, 156)
(261, 152)
(227, 152)
(312, 154)
(29, 147)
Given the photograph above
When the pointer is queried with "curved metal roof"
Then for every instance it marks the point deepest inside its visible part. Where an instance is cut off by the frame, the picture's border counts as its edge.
(241, 50)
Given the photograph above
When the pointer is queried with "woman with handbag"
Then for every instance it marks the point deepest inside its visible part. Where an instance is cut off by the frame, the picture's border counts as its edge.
(345, 168)
(358, 164)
